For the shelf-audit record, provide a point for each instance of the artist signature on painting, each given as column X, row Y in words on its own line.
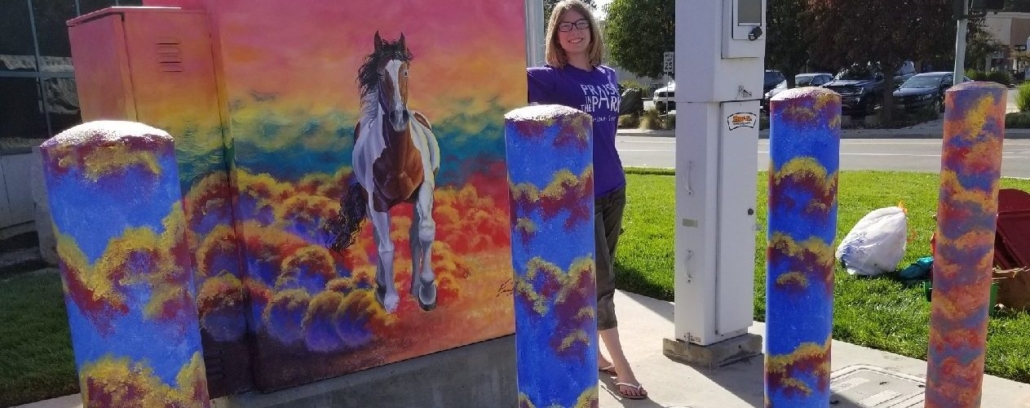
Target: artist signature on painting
column 507, row 288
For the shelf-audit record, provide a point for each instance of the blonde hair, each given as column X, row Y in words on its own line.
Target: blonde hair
column 553, row 53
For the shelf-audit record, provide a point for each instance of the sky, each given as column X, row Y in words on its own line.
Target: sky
column 600, row 15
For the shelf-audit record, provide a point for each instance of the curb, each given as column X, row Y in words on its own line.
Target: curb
column 1010, row 134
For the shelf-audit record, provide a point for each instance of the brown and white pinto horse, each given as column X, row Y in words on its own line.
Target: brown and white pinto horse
column 395, row 160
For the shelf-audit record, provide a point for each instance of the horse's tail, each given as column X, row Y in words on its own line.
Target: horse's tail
column 353, row 209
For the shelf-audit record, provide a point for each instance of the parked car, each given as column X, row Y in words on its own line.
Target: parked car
column 665, row 98
column 800, row 80
column 812, row 79
column 861, row 86
column 924, row 90
column 774, row 83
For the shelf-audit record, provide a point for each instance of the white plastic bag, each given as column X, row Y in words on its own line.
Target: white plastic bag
column 876, row 244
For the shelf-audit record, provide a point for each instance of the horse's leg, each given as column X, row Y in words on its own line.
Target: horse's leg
column 423, row 232
column 386, row 293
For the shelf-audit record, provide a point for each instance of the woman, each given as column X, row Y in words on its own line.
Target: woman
column 574, row 77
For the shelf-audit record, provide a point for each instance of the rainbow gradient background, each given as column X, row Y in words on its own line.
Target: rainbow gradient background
column 266, row 163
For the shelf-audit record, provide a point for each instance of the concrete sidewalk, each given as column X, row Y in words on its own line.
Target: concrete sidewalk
column 862, row 377
column 644, row 322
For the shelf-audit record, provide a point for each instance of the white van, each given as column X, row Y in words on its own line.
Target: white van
column 665, row 98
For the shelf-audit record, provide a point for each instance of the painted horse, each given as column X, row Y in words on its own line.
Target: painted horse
column 395, row 160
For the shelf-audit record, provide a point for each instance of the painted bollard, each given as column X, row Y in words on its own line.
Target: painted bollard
column 115, row 201
column 551, row 191
column 974, row 126
column 804, row 147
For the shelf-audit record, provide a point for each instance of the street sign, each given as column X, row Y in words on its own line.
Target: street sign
column 669, row 64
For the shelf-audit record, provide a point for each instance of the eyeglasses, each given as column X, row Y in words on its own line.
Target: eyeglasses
column 579, row 25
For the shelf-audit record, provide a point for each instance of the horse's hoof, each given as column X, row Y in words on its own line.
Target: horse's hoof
column 389, row 302
column 427, row 296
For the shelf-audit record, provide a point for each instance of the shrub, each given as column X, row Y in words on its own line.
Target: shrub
column 651, row 120
column 976, row 75
column 1000, row 77
column 1017, row 120
column 1023, row 97
column 629, row 121
column 670, row 122
column 926, row 114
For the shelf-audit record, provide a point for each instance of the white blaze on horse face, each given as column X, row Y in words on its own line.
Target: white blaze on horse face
column 398, row 113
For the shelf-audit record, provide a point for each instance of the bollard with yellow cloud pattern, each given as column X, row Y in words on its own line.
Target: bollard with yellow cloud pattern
column 804, row 148
column 126, row 266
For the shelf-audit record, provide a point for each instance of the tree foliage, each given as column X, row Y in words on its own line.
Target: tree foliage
column 549, row 5
column 787, row 45
column 980, row 44
column 881, row 32
column 638, row 33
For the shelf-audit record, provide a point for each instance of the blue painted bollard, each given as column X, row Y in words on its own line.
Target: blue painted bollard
column 551, row 191
column 804, row 148
column 115, row 201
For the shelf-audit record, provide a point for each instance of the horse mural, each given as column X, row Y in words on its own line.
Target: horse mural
column 395, row 160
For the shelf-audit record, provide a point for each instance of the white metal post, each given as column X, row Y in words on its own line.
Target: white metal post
column 534, row 33
column 960, row 46
column 720, row 46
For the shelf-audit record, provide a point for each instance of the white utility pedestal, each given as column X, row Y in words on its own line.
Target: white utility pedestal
column 720, row 53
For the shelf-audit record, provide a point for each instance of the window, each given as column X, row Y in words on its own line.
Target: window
column 37, row 80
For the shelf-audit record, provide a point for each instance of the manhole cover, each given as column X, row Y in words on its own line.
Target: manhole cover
column 875, row 387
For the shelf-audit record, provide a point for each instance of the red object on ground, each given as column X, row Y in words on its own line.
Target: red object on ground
column 1012, row 248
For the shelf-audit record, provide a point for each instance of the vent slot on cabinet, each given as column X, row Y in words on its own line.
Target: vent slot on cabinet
column 169, row 54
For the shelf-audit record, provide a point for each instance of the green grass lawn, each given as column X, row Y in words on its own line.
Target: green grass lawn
column 36, row 360
column 882, row 312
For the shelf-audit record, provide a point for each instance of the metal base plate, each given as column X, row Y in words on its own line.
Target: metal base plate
column 862, row 386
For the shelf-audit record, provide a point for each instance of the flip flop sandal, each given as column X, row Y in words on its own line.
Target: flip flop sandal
column 639, row 388
column 610, row 370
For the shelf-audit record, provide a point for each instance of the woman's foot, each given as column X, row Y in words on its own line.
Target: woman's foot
column 626, row 381
column 631, row 390
column 605, row 366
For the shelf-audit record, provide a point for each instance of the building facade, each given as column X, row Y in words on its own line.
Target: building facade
column 1012, row 29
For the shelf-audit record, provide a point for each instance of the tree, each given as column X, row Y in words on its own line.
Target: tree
column 885, row 33
column 549, row 5
column 786, row 46
column 638, row 33
column 980, row 44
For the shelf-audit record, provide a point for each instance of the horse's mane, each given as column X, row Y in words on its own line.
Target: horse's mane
column 368, row 75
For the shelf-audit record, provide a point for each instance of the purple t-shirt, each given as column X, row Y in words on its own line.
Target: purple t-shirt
column 595, row 92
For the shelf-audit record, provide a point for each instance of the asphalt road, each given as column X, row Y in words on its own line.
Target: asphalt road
column 922, row 155
column 1012, row 107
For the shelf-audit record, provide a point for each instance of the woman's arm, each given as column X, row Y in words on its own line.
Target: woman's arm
column 541, row 82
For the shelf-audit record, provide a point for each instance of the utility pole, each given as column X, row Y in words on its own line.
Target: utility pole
column 963, row 10
column 960, row 42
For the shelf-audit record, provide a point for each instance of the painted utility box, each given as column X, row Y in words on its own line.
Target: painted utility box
column 342, row 168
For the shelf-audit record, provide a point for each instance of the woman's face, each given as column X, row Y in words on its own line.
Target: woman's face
column 577, row 39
